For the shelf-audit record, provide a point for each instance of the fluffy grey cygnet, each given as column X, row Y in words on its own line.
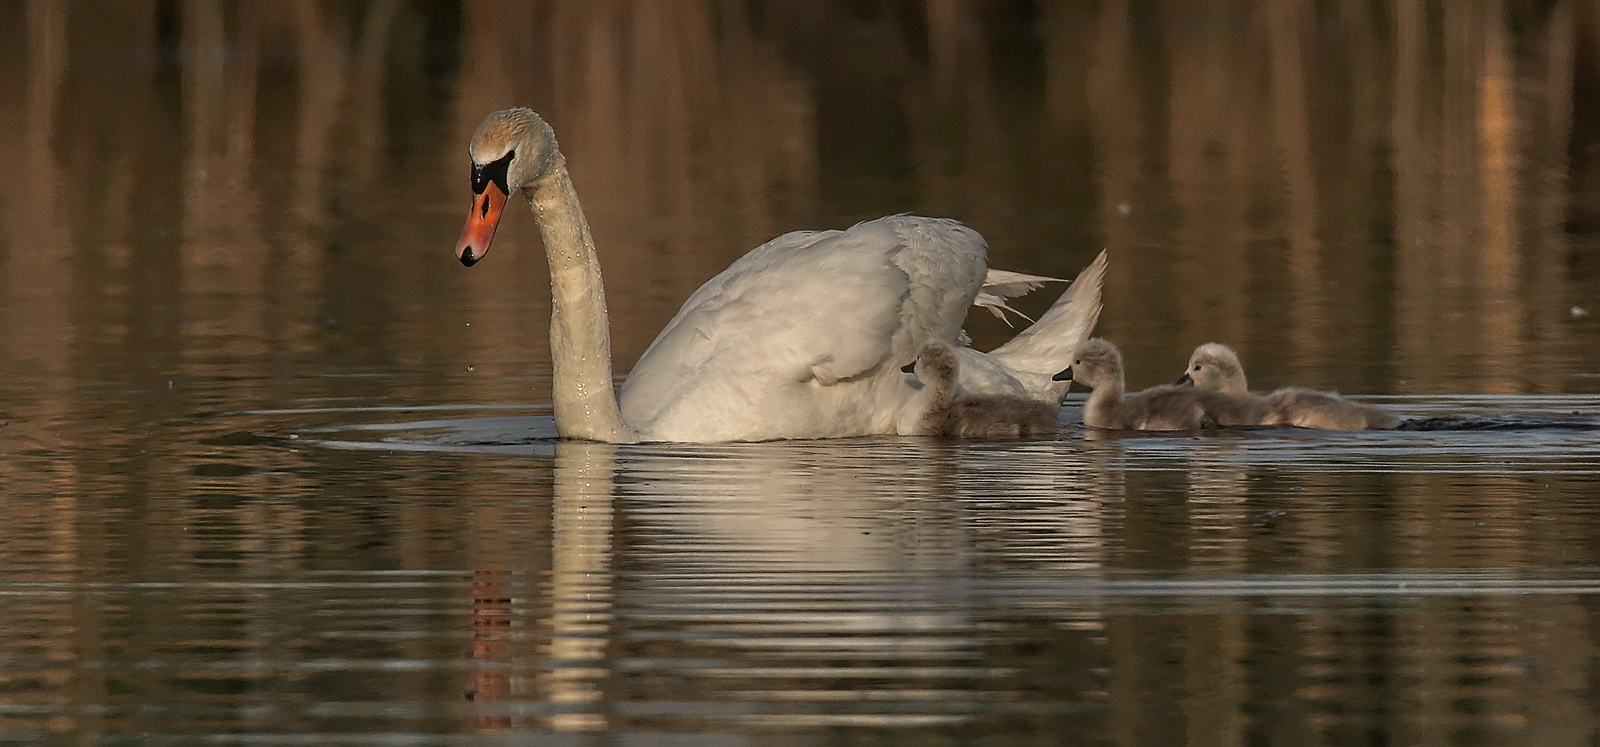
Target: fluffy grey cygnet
column 1216, row 367
column 982, row 416
column 1098, row 364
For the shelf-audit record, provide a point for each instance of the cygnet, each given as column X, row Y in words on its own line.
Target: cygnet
column 1216, row 367
column 1097, row 363
column 982, row 416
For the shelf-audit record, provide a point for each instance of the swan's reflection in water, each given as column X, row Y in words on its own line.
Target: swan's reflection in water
column 793, row 585
column 762, row 509
column 580, row 583
column 1072, row 587
column 570, row 615
column 828, row 583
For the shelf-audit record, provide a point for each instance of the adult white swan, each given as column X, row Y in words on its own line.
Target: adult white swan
column 804, row 337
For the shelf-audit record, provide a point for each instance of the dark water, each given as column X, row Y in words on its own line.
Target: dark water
column 275, row 469
column 353, row 573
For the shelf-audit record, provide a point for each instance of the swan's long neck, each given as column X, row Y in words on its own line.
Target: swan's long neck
column 580, row 333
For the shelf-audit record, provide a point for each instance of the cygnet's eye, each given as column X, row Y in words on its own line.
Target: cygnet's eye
column 1078, row 362
column 1197, row 367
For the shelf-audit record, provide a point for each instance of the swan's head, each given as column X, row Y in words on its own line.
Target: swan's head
column 512, row 149
column 1215, row 366
column 1095, row 363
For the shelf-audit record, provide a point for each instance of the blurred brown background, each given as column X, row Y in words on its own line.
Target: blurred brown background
column 1371, row 196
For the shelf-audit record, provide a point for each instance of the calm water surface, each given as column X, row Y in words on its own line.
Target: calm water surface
column 274, row 469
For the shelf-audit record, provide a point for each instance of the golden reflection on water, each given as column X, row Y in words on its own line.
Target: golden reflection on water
column 1106, row 589
column 1373, row 197
column 210, row 210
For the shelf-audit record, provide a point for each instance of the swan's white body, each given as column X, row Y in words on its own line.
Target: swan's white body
column 803, row 337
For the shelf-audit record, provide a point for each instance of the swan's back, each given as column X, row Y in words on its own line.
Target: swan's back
column 789, row 340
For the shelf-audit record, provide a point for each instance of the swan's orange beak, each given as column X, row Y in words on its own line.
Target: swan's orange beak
column 481, row 222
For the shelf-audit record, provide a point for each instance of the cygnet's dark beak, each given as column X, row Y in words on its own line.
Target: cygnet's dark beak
column 1065, row 375
column 1185, row 380
column 909, row 368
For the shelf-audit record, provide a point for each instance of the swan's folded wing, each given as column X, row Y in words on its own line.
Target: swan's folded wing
column 755, row 261
column 841, row 306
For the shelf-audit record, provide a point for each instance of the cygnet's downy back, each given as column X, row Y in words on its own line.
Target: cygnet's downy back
column 1308, row 408
column 975, row 415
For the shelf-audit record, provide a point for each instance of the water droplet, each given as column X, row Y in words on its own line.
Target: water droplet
column 470, row 369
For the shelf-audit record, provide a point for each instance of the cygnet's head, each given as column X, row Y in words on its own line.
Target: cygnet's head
column 1216, row 367
column 1095, row 363
column 937, row 368
column 510, row 150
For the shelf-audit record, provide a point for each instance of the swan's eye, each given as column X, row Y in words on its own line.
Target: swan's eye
column 1197, row 367
column 493, row 173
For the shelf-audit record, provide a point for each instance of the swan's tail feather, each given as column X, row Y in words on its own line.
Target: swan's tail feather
column 1046, row 347
column 999, row 285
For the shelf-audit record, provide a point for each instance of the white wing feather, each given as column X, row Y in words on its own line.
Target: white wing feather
column 1045, row 348
column 999, row 285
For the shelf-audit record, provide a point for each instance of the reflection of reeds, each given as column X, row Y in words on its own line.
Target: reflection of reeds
column 37, row 322
column 693, row 135
column 1241, row 113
